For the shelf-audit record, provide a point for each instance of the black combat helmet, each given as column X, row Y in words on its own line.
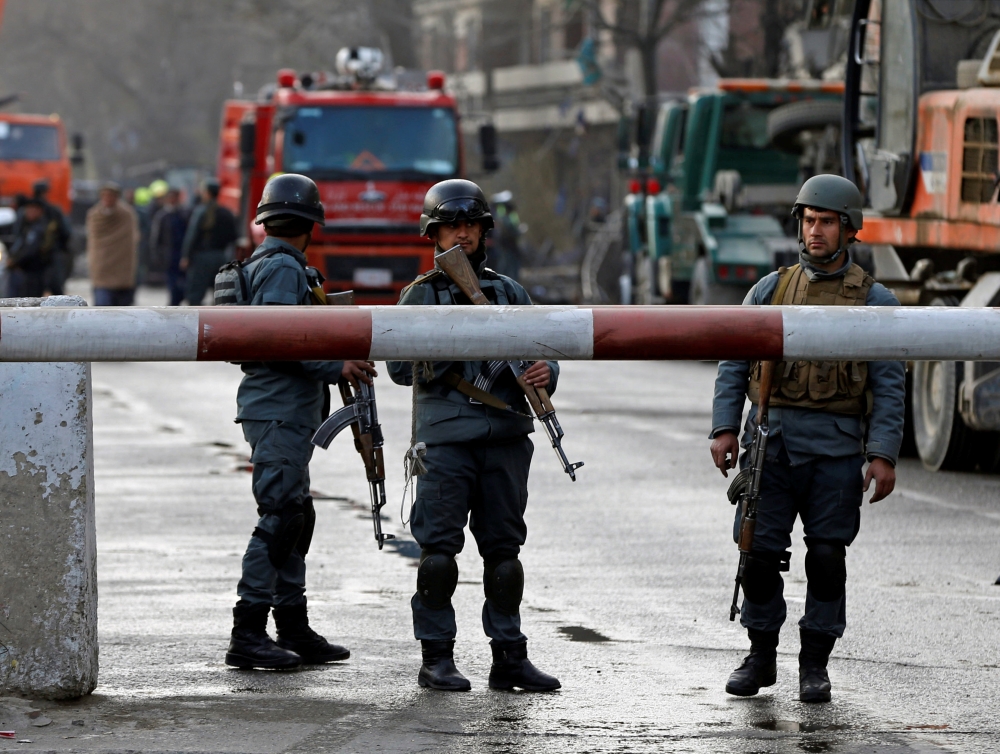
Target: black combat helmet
column 290, row 194
column 448, row 200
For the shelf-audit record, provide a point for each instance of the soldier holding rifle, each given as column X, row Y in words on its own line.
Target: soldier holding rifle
column 825, row 420
column 471, row 450
column 280, row 406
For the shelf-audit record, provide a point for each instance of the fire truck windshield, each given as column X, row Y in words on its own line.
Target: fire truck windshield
column 372, row 142
column 20, row 141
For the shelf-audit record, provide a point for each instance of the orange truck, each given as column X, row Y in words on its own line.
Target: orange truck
column 34, row 148
column 920, row 139
column 373, row 149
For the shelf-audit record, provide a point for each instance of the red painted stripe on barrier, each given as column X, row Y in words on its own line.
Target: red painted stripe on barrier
column 687, row 332
column 283, row 333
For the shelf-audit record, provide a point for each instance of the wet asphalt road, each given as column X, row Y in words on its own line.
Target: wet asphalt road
column 628, row 580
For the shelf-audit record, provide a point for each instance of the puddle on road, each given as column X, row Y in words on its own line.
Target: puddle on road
column 792, row 726
column 579, row 633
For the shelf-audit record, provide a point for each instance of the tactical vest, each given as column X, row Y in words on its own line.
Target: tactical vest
column 839, row 387
column 447, row 293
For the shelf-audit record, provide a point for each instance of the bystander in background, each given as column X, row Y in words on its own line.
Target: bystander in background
column 165, row 241
column 112, row 237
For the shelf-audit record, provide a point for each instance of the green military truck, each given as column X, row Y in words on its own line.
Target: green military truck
column 709, row 215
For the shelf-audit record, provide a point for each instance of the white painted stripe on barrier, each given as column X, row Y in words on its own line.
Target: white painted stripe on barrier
column 117, row 334
column 871, row 333
column 473, row 333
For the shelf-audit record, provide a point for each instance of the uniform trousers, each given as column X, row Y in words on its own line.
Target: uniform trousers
column 280, row 458
column 25, row 283
column 826, row 493
column 486, row 486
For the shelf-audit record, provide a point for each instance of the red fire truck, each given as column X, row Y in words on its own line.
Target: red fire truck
column 373, row 148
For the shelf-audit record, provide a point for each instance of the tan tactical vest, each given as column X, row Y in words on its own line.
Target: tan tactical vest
column 840, row 387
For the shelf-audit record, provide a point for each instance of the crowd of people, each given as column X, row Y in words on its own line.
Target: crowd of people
column 140, row 235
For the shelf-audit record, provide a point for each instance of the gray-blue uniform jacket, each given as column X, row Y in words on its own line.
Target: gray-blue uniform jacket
column 293, row 392
column 444, row 415
column 806, row 433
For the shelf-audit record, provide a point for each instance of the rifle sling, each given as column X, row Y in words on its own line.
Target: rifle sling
column 462, row 385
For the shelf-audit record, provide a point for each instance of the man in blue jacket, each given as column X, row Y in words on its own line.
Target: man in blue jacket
column 826, row 419
column 281, row 404
column 477, row 459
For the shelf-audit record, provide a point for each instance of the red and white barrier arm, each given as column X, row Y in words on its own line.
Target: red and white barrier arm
column 285, row 333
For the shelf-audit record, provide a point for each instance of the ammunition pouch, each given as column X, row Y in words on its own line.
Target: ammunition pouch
column 839, row 387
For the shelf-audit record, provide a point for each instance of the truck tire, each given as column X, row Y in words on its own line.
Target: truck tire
column 784, row 123
column 942, row 437
column 705, row 291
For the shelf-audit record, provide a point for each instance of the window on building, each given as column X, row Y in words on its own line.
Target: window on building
column 979, row 160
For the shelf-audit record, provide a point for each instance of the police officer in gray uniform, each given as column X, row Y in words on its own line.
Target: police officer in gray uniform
column 280, row 406
column 477, row 460
column 210, row 234
column 826, row 419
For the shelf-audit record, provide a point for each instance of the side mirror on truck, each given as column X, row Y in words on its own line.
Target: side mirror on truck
column 76, row 155
column 488, row 147
column 248, row 142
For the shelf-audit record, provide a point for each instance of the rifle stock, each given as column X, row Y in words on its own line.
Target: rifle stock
column 455, row 264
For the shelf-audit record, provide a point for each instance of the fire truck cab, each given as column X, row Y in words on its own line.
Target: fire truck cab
column 373, row 149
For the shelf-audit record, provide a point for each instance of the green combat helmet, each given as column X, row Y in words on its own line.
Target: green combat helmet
column 830, row 192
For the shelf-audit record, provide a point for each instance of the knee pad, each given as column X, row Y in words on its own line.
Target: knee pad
column 826, row 570
column 761, row 579
column 308, row 526
column 291, row 522
column 437, row 577
column 503, row 583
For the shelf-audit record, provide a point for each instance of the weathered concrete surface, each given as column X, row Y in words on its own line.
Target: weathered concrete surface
column 48, row 579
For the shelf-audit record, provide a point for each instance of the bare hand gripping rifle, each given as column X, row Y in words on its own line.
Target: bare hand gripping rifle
column 455, row 264
column 745, row 488
column 361, row 415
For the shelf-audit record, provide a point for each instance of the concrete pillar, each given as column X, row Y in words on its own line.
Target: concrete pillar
column 48, row 552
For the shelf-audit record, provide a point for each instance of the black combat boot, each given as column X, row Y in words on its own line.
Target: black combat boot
column 512, row 669
column 759, row 668
column 251, row 647
column 294, row 634
column 439, row 671
column 814, row 681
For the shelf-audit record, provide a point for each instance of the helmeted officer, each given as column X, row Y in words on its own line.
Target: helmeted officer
column 477, row 460
column 210, row 234
column 280, row 406
column 821, row 414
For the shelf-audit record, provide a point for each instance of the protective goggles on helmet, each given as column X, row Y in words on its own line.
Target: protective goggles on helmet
column 451, row 209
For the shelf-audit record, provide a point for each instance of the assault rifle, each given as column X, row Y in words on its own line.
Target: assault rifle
column 455, row 264
column 745, row 488
column 361, row 414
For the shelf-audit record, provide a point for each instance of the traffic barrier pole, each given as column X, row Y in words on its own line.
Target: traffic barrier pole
column 453, row 333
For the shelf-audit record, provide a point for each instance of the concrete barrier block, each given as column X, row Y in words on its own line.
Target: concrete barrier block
column 48, row 552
